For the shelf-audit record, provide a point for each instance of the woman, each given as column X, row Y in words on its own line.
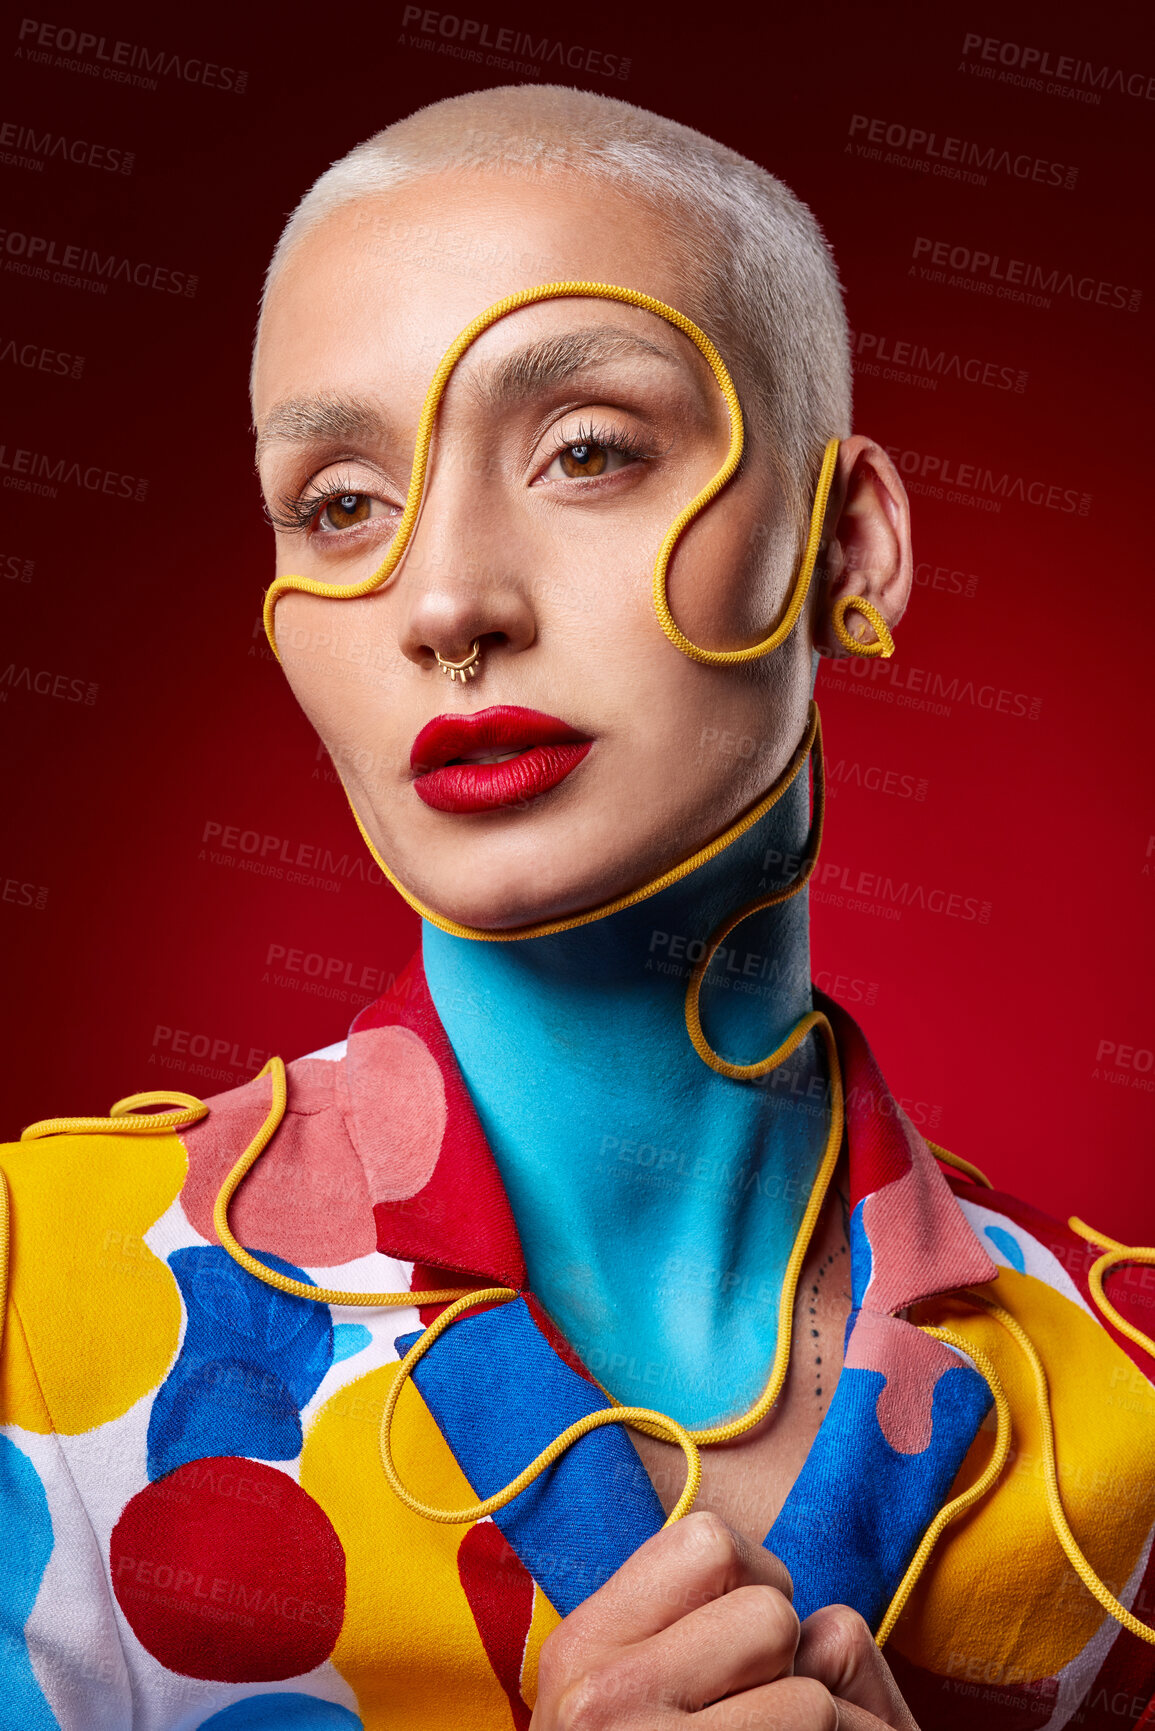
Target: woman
column 557, row 616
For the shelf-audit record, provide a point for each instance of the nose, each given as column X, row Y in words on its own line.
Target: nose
column 460, row 581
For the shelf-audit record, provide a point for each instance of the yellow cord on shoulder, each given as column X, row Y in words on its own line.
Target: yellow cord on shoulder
column 1115, row 1255
column 1057, row 1514
column 124, row 1117
column 271, row 1276
column 1055, row 1507
column 959, row 1505
column 959, row 1164
column 5, row 1242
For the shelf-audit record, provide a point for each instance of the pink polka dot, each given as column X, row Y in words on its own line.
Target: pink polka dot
column 367, row 1129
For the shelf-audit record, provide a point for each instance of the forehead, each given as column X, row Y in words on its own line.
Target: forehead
column 384, row 284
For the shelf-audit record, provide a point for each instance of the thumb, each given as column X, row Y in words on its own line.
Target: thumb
column 837, row 1649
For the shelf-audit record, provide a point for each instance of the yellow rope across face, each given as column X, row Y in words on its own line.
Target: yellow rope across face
column 427, row 421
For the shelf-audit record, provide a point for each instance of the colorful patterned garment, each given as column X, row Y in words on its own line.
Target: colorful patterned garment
column 197, row 1530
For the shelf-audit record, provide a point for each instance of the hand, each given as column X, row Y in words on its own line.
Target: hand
column 698, row 1625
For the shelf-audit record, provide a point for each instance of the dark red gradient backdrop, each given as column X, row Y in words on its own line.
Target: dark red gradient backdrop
column 984, row 900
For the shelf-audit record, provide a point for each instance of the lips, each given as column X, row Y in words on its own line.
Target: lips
column 455, row 758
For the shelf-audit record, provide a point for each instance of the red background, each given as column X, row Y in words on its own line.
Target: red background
column 1022, row 1041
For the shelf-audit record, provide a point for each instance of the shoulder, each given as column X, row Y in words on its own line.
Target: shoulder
column 1000, row 1618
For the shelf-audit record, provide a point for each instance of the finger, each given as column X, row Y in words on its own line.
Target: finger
column 793, row 1704
column 737, row 1642
column 690, row 1564
column 837, row 1649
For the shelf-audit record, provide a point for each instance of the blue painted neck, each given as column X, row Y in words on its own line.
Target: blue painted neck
column 657, row 1201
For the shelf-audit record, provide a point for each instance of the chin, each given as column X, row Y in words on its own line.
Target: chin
column 508, row 896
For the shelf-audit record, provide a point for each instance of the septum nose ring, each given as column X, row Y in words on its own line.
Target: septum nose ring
column 465, row 668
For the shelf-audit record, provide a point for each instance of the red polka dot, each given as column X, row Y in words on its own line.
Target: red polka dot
column 226, row 1569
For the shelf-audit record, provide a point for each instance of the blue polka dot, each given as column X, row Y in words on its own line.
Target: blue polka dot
column 252, row 1357
column 1009, row 1245
column 27, row 1548
column 272, row 1712
column 349, row 1338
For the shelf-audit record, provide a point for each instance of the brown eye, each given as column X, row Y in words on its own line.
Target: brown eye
column 344, row 512
column 584, row 459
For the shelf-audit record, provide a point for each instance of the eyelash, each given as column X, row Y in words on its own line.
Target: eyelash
column 297, row 514
column 613, row 439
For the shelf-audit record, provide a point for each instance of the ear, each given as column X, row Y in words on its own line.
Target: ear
column 867, row 542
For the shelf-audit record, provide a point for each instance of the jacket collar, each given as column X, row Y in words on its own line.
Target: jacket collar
column 912, row 1240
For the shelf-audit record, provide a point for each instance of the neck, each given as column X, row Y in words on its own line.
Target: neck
column 657, row 1201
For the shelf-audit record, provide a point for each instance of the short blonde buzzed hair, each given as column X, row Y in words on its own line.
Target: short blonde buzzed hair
column 756, row 260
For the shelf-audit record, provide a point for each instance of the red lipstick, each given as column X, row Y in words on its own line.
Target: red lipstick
column 503, row 756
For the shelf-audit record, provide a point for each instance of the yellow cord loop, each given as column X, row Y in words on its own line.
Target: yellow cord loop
column 125, row 1119
column 656, row 1423
column 1115, row 1255
column 801, row 586
column 883, row 642
column 499, row 310
column 425, row 428
column 811, row 743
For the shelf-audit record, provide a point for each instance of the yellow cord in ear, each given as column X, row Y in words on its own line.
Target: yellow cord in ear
column 883, row 642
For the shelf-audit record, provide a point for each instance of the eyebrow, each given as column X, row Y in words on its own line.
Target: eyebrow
column 544, row 364
column 310, row 420
column 496, row 385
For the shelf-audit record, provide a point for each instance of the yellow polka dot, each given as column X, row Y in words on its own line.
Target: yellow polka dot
column 998, row 1587
column 101, row 1313
column 409, row 1647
